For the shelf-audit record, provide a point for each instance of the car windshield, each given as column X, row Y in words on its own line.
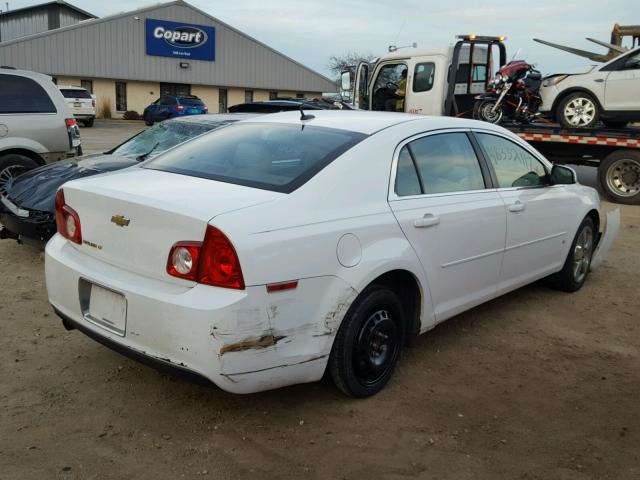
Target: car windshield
column 191, row 101
column 75, row 93
column 163, row 136
column 270, row 156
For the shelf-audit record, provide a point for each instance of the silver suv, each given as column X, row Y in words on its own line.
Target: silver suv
column 36, row 125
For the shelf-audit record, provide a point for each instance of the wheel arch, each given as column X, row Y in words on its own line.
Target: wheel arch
column 27, row 153
column 565, row 93
column 411, row 292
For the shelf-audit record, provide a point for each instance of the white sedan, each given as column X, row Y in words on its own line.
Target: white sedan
column 265, row 253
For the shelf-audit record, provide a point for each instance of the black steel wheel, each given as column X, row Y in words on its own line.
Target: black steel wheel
column 368, row 344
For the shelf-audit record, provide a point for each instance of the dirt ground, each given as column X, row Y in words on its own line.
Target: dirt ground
column 537, row 384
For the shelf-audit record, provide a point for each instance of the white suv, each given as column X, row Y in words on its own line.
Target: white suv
column 36, row 125
column 81, row 103
column 609, row 93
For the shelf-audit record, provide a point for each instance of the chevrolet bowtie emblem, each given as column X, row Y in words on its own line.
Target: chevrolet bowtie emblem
column 120, row 221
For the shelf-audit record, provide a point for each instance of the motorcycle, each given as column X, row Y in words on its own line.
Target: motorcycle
column 514, row 94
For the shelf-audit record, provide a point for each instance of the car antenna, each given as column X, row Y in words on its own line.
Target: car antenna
column 304, row 116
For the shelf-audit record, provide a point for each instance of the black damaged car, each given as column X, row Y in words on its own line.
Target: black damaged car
column 27, row 202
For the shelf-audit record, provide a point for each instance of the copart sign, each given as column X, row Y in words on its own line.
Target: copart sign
column 183, row 40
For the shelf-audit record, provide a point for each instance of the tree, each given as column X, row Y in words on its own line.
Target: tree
column 339, row 63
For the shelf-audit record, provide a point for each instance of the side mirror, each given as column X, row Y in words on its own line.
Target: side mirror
column 561, row 175
column 345, row 80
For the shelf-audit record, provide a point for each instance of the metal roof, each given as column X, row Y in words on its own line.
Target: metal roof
column 40, row 6
column 114, row 47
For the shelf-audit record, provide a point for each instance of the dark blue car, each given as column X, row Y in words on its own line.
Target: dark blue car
column 171, row 106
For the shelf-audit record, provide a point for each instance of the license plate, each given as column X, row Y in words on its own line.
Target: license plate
column 77, row 104
column 193, row 110
column 107, row 309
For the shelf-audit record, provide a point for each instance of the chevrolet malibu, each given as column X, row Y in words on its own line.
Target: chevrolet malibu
column 268, row 252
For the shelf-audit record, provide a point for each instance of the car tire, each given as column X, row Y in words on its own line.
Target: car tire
column 88, row 123
column 614, row 124
column 578, row 110
column 619, row 176
column 14, row 164
column 148, row 119
column 368, row 344
column 576, row 267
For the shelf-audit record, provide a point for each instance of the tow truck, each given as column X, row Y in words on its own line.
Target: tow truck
column 446, row 81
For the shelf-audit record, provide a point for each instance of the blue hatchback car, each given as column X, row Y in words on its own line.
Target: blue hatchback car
column 170, row 106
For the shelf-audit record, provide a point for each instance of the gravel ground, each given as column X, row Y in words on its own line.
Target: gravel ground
column 537, row 384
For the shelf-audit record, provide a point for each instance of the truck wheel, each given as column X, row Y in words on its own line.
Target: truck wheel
column 88, row 123
column 367, row 346
column 483, row 110
column 578, row 110
column 576, row 267
column 619, row 175
column 612, row 124
column 13, row 165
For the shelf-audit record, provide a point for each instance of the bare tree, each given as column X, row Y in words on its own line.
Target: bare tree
column 339, row 63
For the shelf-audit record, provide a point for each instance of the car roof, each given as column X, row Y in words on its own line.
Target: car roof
column 6, row 69
column 371, row 122
column 213, row 118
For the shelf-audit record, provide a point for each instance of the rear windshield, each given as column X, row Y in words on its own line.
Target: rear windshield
column 191, row 101
column 79, row 93
column 273, row 157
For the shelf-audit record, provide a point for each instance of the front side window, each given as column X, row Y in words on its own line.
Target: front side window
column 633, row 62
column 445, row 163
column 423, row 77
column 513, row 165
column 23, row 95
column 273, row 157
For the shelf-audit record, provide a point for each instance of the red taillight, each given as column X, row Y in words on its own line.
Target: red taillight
column 183, row 260
column 212, row 262
column 67, row 220
column 70, row 122
column 205, row 110
column 179, row 108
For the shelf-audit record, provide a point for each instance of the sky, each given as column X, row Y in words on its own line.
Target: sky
column 312, row 31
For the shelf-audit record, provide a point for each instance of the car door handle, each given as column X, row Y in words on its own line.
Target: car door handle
column 428, row 220
column 599, row 80
column 517, row 207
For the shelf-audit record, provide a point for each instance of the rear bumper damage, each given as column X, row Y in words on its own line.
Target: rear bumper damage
column 243, row 341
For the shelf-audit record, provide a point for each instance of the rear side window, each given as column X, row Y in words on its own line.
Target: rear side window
column 423, row 77
column 273, row 157
column 445, row 163
column 23, row 95
column 79, row 93
column 514, row 166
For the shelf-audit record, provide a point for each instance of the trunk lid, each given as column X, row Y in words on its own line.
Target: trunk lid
column 131, row 219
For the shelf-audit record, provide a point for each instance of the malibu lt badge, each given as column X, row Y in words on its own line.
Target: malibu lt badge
column 120, row 221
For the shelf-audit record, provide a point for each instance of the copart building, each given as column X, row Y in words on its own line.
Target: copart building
column 130, row 59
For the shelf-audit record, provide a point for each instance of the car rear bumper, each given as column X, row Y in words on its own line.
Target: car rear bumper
column 18, row 228
column 84, row 116
column 243, row 341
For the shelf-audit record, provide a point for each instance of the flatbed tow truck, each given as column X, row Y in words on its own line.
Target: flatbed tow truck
column 434, row 89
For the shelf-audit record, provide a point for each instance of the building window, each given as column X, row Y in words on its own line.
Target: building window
column 175, row 89
column 222, row 100
column 87, row 85
column 299, row 95
column 248, row 96
column 121, row 96
column 273, row 95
